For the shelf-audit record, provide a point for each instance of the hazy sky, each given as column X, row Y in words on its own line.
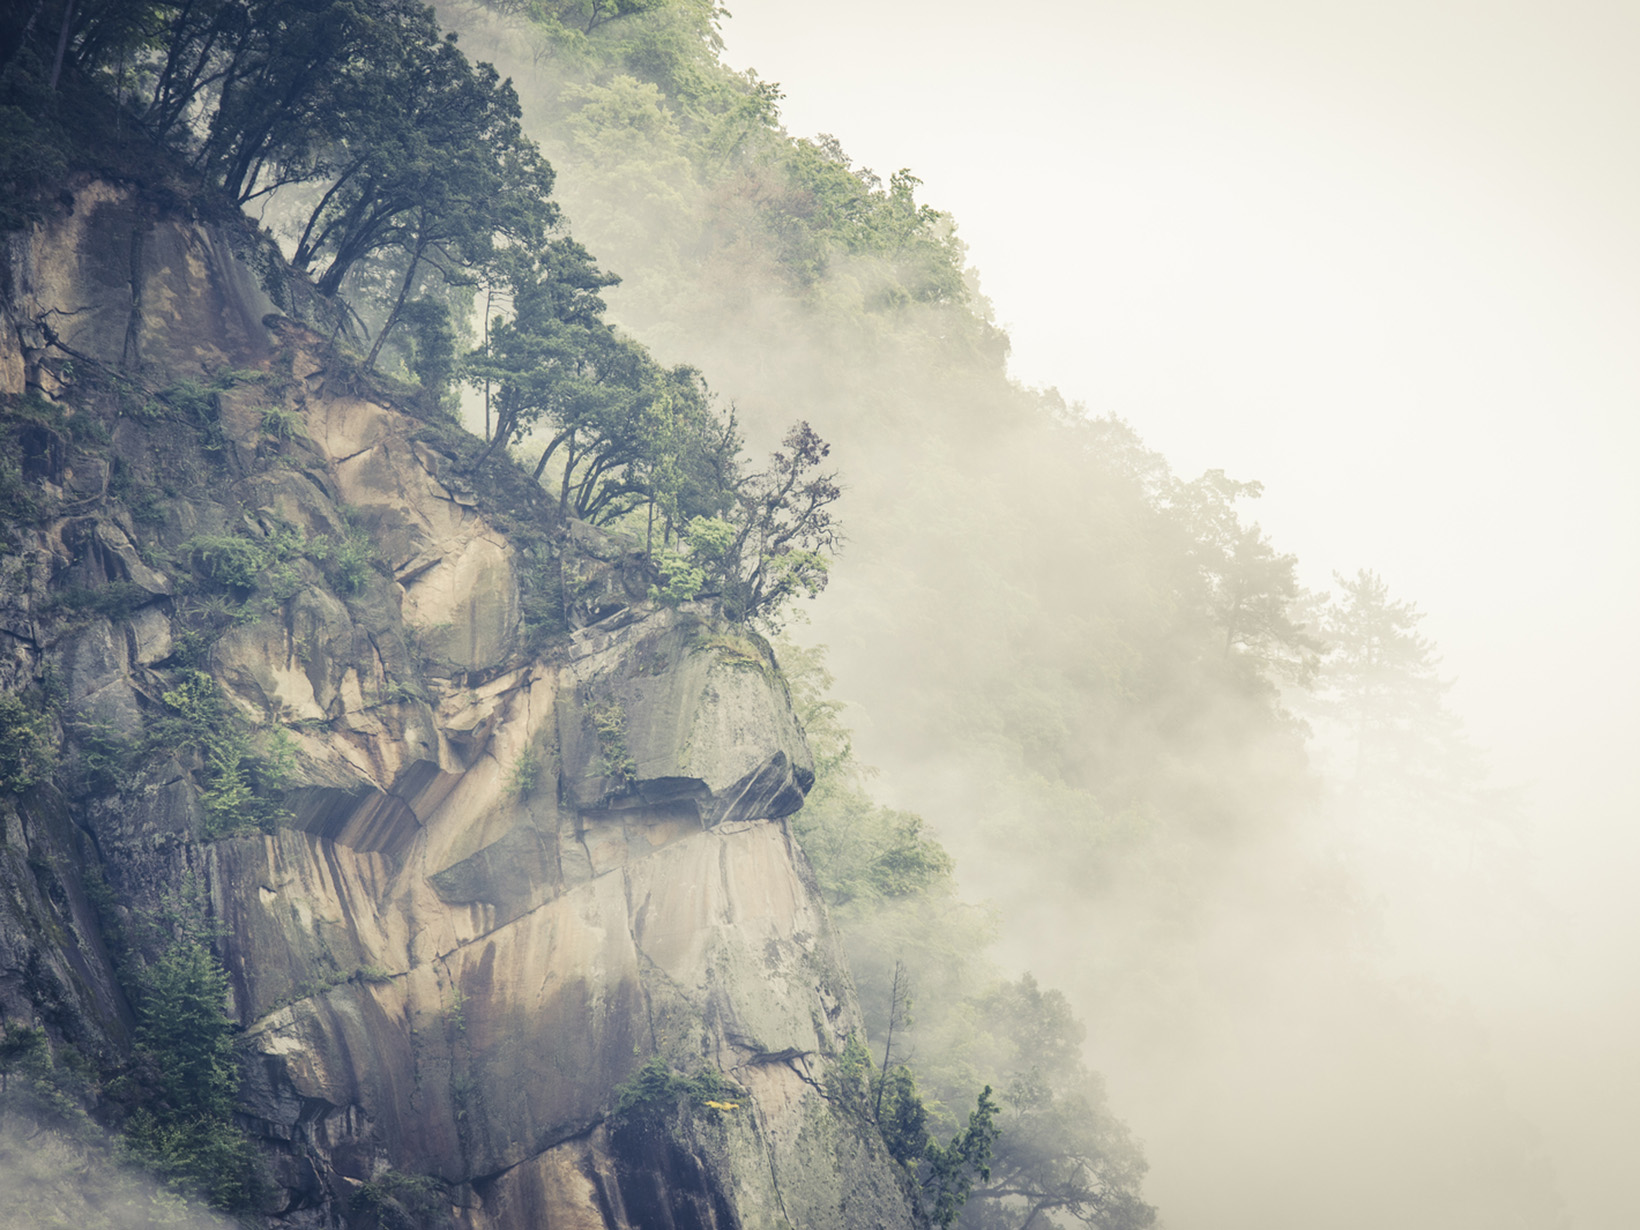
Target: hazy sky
column 1383, row 257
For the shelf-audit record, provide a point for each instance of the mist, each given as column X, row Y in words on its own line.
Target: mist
column 1383, row 261
column 1360, row 262
column 64, row 1171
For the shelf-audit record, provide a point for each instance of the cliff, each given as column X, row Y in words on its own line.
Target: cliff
column 477, row 832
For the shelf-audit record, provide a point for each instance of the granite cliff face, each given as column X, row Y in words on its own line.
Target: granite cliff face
column 530, row 834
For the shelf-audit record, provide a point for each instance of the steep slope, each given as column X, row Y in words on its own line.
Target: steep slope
column 522, row 832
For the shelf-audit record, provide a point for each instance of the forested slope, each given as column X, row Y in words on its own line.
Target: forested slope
column 1096, row 680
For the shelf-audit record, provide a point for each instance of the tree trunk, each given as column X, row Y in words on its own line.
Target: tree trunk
column 62, row 44
column 393, row 316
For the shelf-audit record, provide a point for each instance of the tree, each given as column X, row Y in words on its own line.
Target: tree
column 899, row 1014
column 538, row 360
column 185, row 1041
column 949, row 1172
column 432, row 346
column 1059, row 1151
column 1252, row 593
column 434, row 173
column 261, row 91
column 1382, row 683
column 625, row 431
column 184, row 1027
column 781, row 531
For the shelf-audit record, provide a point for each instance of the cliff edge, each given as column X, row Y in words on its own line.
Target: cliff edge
column 491, row 848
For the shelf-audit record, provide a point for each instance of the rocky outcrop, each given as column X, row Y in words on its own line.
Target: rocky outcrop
column 533, row 833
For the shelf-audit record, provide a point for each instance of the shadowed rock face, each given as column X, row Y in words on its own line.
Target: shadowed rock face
column 525, row 852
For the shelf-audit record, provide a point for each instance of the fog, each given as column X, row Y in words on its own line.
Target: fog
column 1383, row 259
column 62, row 1172
column 1383, row 262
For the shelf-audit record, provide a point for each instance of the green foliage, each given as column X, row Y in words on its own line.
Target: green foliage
column 183, row 1025
column 680, row 579
column 202, row 1154
column 399, row 158
column 770, row 542
column 281, row 423
column 692, row 156
column 20, row 503
column 783, row 531
column 193, row 400
column 655, row 1090
column 348, row 559
column 1060, row 1150
column 107, row 756
column 28, row 748
column 239, row 782
column 1252, row 593
column 1382, row 681
column 432, row 344
column 615, row 760
column 526, row 773
column 849, row 1080
column 243, row 565
column 1053, row 1142
column 440, row 178
column 63, row 1171
column 399, row 1200
column 861, row 852
column 43, row 1084
column 232, row 561
column 903, row 1119
column 950, row 1171
column 185, row 1036
column 622, row 431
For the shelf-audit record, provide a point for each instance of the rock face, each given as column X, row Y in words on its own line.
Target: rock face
column 533, row 834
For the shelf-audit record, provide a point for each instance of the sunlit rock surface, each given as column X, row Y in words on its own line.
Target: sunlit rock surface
column 534, row 835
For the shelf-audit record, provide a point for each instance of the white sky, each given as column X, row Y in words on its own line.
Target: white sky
column 1384, row 258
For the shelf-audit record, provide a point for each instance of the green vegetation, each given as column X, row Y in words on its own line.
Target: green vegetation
column 61, row 1169
column 623, row 434
column 953, row 1169
column 242, row 565
column 232, row 561
column 397, row 1200
column 417, row 211
column 411, row 157
column 526, row 773
column 347, row 558
column 281, row 423
column 655, row 1090
column 614, row 759
column 240, row 781
column 113, row 600
column 183, row 1129
column 42, row 1084
column 943, row 1177
column 28, row 747
column 1046, row 1142
column 1382, row 686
